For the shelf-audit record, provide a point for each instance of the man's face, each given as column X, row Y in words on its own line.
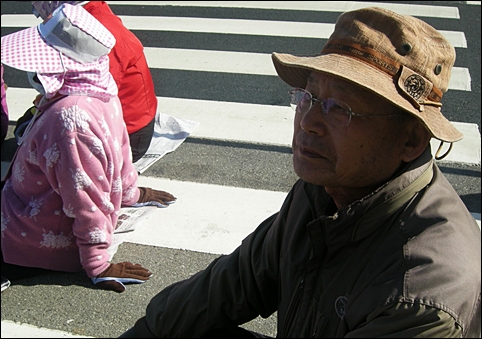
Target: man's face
column 354, row 158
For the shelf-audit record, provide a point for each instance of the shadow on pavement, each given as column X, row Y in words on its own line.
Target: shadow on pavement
column 59, row 279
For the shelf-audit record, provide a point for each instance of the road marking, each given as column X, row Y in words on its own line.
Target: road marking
column 205, row 218
column 251, row 123
column 251, row 27
column 224, row 26
column 11, row 329
column 321, row 6
column 246, row 63
column 467, row 150
column 477, row 218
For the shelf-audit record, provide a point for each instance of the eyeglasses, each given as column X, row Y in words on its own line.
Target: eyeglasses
column 335, row 111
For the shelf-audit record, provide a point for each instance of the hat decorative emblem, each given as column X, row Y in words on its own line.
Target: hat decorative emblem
column 415, row 86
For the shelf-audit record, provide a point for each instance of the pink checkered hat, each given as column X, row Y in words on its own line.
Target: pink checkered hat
column 68, row 53
column 44, row 9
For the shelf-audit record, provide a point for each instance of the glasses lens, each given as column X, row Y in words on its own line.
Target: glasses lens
column 300, row 99
column 293, row 98
column 337, row 112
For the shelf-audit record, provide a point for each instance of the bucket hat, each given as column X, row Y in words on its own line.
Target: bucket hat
column 68, row 52
column 398, row 57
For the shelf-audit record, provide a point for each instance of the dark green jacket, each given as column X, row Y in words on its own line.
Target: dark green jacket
column 401, row 262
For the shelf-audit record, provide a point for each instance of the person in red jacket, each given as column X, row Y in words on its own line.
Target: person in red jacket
column 128, row 66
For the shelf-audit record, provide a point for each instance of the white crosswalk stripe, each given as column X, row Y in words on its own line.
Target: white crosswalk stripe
column 273, row 124
column 447, row 12
column 225, row 26
column 192, row 223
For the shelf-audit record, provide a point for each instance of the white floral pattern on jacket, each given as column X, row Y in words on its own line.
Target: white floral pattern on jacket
column 69, row 179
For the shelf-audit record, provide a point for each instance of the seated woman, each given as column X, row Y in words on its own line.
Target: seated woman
column 73, row 169
column 4, row 109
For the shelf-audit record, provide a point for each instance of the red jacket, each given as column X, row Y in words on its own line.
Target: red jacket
column 129, row 68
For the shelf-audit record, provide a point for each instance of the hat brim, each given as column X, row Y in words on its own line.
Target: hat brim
column 26, row 50
column 295, row 70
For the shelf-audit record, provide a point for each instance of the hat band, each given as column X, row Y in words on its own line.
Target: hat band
column 382, row 62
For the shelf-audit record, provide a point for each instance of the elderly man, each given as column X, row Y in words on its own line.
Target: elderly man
column 372, row 241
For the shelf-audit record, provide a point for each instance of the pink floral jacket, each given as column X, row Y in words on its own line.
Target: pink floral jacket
column 67, row 183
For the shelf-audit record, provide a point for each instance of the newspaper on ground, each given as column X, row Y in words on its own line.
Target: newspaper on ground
column 169, row 133
column 129, row 219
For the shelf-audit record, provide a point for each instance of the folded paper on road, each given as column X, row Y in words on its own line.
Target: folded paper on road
column 129, row 219
column 169, row 133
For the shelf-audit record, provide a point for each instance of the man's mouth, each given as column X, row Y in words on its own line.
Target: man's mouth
column 309, row 153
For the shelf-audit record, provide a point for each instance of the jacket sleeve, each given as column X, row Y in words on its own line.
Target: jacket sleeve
column 232, row 290
column 407, row 320
column 86, row 198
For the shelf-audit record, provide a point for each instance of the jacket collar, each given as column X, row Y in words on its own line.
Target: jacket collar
column 364, row 216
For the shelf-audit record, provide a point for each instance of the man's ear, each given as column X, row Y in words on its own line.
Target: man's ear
column 417, row 141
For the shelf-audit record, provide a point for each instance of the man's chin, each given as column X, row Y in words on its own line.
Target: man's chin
column 312, row 174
